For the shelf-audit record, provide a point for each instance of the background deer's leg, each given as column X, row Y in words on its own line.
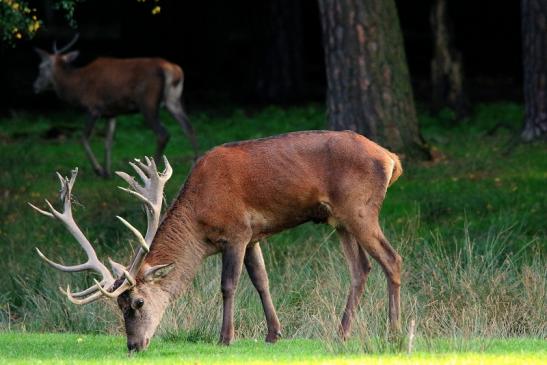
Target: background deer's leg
column 88, row 131
column 359, row 267
column 254, row 262
column 367, row 231
column 162, row 135
column 232, row 264
column 110, row 129
column 177, row 111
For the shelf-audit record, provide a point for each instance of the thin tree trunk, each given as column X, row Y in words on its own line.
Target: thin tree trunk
column 447, row 78
column 369, row 87
column 534, row 51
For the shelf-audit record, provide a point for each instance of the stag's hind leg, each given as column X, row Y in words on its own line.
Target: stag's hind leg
column 365, row 227
column 254, row 262
column 359, row 268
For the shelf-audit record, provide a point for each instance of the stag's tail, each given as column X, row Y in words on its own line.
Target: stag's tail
column 397, row 168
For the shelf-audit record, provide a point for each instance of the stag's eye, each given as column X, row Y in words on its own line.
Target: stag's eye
column 138, row 303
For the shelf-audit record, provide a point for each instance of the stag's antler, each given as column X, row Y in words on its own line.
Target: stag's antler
column 66, row 47
column 150, row 192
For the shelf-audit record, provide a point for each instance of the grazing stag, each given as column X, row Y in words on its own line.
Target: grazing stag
column 236, row 195
column 108, row 87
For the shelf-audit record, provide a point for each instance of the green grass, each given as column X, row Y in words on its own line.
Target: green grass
column 95, row 349
column 470, row 227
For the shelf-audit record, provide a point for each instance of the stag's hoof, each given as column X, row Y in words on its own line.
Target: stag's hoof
column 343, row 332
column 273, row 336
column 225, row 340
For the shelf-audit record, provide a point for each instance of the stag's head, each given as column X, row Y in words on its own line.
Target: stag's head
column 138, row 286
column 49, row 61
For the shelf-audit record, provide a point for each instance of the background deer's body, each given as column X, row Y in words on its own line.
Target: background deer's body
column 236, row 195
column 108, row 87
column 242, row 192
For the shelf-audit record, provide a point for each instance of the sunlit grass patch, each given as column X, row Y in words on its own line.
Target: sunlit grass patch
column 27, row 348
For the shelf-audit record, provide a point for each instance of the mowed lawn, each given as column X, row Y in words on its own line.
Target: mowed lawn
column 27, row 348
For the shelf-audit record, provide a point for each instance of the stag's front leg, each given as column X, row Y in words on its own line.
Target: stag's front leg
column 88, row 130
column 232, row 264
column 254, row 262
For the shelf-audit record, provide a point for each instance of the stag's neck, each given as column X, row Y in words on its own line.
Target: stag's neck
column 67, row 83
column 176, row 242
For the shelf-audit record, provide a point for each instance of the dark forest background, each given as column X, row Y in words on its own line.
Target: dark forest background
column 231, row 51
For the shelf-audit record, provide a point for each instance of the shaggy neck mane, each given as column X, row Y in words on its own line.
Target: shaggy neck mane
column 176, row 242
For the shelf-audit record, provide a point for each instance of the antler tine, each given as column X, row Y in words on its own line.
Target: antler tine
column 128, row 179
column 67, row 47
column 136, row 232
column 41, row 211
column 168, row 170
column 87, row 291
column 73, row 268
column 138, row 170
column 91, row 298
column 122, row 288
column 138, row 195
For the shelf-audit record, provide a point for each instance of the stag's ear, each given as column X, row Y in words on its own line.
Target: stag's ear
column 70, row 56
column 43, row 54
column 158, row 271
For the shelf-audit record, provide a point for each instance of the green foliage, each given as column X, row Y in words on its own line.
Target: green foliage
column 20, row 20
column 470, row 227
column 19, row 348
column 17, row 20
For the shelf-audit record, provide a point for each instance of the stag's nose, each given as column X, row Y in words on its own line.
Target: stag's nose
column 136, row 346
column 132, row 347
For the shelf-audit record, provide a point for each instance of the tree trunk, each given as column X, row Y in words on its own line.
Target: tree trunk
column 534, row 51
column 447, row 81
column 280, row 78
column 369, row 87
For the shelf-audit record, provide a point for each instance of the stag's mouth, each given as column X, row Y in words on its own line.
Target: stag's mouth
column 137, row 346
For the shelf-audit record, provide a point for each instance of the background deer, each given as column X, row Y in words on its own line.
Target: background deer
column 236, row 195
column 108, row 87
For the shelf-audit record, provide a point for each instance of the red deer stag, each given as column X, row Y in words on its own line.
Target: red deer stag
column 108, row 87
column 236, row 195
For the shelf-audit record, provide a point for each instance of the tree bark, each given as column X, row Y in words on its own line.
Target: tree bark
column 368, row 82
column 534, row 52
column 447, row 80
